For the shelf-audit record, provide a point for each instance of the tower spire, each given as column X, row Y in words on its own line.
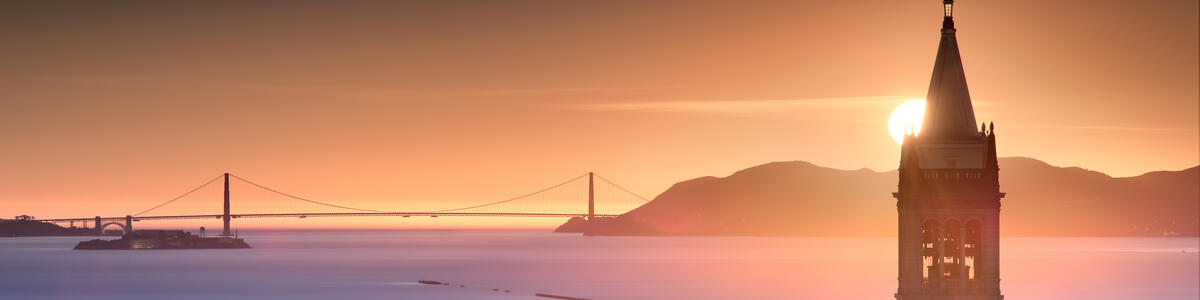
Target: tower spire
column 948, row 111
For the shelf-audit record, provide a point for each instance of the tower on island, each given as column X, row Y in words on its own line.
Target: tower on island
column 949, row 191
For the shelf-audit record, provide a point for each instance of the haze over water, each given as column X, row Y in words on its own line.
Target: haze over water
column 387, row 264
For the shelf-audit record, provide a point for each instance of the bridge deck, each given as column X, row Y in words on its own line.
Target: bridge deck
column 358, row 214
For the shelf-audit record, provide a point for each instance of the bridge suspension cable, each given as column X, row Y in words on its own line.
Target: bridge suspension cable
column 557, row 191
column 141, row 214
column 623, row 188
column 307, row 200
column 510, row 199
column 428, row 211
column 179, row 197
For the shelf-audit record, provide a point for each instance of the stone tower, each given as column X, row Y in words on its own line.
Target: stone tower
column 949, row 191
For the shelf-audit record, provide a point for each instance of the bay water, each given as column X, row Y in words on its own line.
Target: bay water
column 517, row 264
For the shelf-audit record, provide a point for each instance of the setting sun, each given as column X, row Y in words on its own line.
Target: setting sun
column 904, row 116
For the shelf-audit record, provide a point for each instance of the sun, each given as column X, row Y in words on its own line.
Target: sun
column 907, row 115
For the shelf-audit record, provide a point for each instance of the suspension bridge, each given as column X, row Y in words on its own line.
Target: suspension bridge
column 563, row 200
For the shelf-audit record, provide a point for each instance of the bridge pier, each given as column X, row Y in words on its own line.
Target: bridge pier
column 99, row 229
column 128, row 224
column 225, row 217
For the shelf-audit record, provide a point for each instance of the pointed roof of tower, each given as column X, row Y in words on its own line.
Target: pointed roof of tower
column 948, row 111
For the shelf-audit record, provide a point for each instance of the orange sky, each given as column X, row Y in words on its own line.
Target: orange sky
column 110, row 108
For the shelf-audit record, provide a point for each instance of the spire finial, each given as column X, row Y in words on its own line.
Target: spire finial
column 992, row 127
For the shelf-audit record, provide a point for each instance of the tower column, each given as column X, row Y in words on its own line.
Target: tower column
column 225, row 216
column 990, row 250
column 962, row 256
column 911, row 252
column 941, row 259
column 99, row 229
column 591, row 196
column 128, row 224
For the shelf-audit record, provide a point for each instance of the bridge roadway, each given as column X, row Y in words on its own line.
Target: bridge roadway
column 350, row 214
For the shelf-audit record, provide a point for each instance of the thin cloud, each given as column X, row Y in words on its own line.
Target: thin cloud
column 370, row 91
column 554, row 90
column 1110, row 128
column 732, row 106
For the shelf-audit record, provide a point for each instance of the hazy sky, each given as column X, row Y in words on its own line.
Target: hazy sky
column 108, row 108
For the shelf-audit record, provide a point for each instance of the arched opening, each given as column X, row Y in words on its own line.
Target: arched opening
column 952, row 253
column 972, row 245
column 930, row 235
column 118, row 224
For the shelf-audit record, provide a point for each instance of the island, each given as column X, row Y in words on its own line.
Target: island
column 162, row 239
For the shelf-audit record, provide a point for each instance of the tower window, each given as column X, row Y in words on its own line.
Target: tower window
column 952, row 253
column 930, row 235
column 971, row 243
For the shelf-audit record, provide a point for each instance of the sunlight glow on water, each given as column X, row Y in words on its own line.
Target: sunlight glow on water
column 387, row 265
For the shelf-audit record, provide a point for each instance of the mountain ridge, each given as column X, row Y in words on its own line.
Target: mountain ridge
column 799, row 198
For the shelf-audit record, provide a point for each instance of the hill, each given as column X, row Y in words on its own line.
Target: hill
column 802, row 199
column 12, row 228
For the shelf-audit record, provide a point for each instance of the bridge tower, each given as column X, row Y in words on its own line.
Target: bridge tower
column 948, row 197
column 99, row 228
column 225, row 216
column 128, row 224
column 591, row 197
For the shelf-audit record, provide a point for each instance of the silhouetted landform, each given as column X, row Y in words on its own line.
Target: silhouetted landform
column 162, row 239
column 580, row 224
column 802, row 199
column 574, row 225
column 13, row 228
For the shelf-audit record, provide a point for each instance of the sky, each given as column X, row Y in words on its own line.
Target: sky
column 107, row 108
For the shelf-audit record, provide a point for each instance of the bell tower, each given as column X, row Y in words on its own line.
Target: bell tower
column 948, row 196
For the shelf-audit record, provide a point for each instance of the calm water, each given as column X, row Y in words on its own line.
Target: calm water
column 386, row 265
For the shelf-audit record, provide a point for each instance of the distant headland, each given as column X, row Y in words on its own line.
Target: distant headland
column 802, row 199
column 18, row 227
